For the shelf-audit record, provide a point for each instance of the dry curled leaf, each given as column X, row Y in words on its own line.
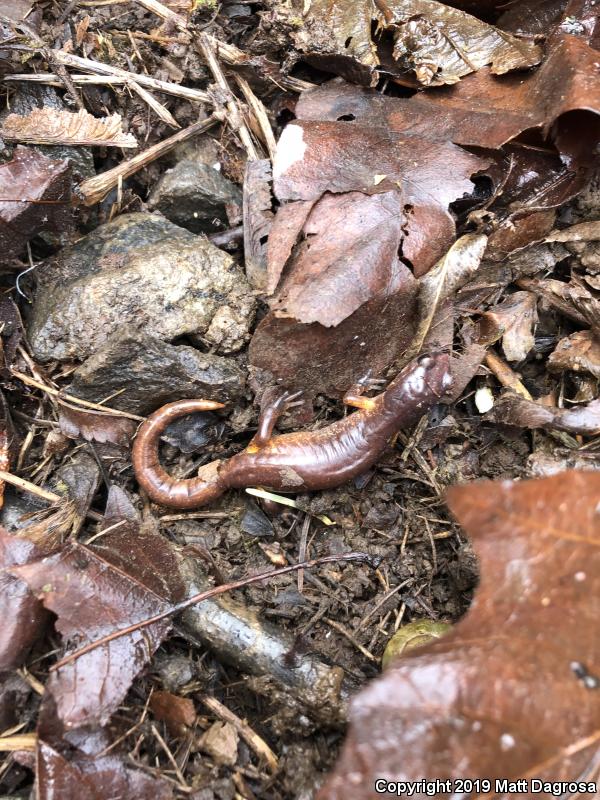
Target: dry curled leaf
column 454, row 270
column 58, row 126
column 504, row 695
column 35, row 194
column 439, row 43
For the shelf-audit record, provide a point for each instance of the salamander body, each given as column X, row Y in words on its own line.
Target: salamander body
column 294, row 462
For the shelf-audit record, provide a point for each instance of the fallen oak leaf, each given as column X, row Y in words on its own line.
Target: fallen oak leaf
column 472, row 704
column 58, row 126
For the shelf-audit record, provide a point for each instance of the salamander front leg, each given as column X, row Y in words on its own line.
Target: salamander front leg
column 355, row 395
column 269, row 416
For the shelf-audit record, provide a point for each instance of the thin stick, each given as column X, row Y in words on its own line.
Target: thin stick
column 22, row 741
column 228, row 52
column 44, row 494
column 99, row 68
column 206, row 595
column 170, row 756
column 346, row 633
column 254, row 741
column 157, row 107
column 234, row 117
column 505, row 374
column 70, row 398
column 31, row 488
column 95, row 189
column 260, row 115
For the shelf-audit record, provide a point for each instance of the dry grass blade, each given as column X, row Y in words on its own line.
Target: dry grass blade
column 58, row 126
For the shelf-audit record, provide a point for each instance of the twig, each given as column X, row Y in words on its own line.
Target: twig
column 157, row 107
column 254, row 741
column 260, row 116
column 346, row 633
column 302, row 550
column 70, row 398
column 50, row 79
column 230, row 54
column 198, row 598
column 170, row 756
column 505, row 374
column 22, row 741
column 234, row 117
column 93, row 190
column 99, row 68
column 31, row 488
column 44, row 494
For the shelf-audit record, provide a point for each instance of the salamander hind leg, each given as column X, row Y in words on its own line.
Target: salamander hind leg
column 269, row 416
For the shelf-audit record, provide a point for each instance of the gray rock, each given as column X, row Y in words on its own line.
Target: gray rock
column 139, row 270
column 194, row 195
column 153, row 372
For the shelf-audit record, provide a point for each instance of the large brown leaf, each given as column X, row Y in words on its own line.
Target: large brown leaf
column 509, row 692
column 363, row 194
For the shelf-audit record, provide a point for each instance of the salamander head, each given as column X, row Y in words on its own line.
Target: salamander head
column 422, row 382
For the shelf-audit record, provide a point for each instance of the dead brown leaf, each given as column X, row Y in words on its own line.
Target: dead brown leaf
column 79, row 775
column 579, row 352
column 23, row 616
column 514, row 322
column 355, row 196
column 572, row 299
column 128, row 575
column 512, row 409
column 178, row 713
column 439, row 43
column 58, row 126
column 35, row 193
column 95, row 426
column 472, row 704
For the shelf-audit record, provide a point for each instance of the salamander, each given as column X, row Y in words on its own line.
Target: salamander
column 294, row 462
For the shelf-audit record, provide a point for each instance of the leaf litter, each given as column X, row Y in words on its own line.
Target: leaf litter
column 442, row 194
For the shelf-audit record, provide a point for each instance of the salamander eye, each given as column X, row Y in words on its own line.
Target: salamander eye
column 425, row 361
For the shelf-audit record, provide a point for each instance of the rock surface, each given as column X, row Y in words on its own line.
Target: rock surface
column 153, row 372
column 139, row 270
column 196, row 196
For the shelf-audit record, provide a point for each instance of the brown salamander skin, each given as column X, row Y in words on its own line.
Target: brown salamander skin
column 294, row 462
